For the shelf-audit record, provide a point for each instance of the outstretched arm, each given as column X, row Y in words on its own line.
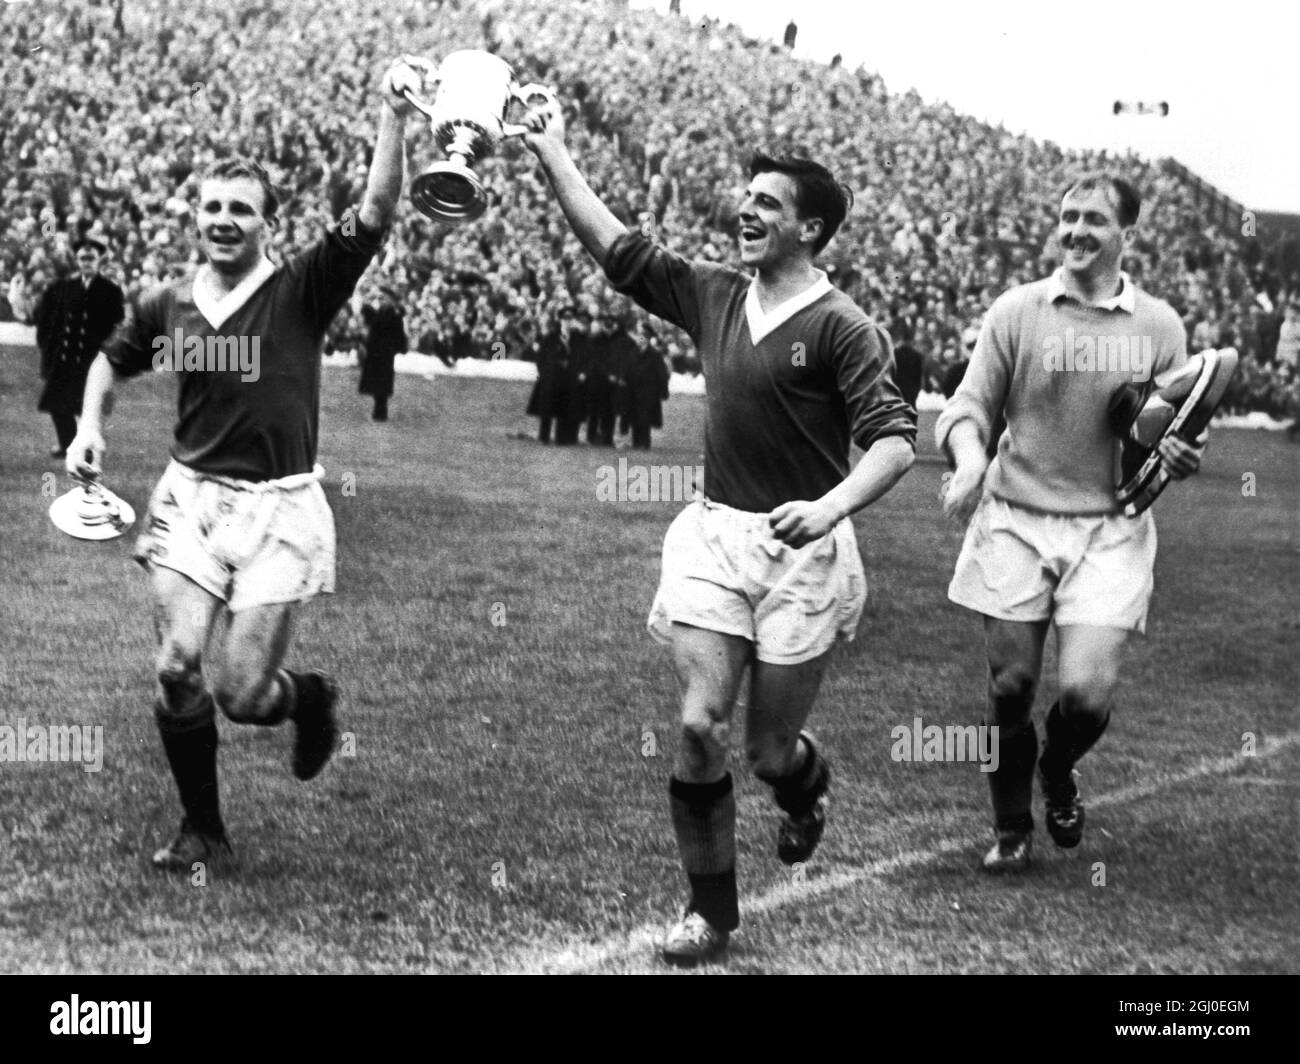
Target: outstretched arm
column 388, row 165
column 592, row 222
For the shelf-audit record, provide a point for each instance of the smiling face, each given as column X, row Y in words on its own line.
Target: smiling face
column 232, row 230
column 771, row 231
column 1090, row 233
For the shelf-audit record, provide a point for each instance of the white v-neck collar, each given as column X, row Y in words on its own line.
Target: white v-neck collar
column 762, row 325
column 217, row 309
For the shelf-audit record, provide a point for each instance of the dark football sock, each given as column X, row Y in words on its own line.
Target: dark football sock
column 1068, row 739
column 1012, row 784
column 191, row 748
column 716, row 899
column 704, row 819
column 798, row 792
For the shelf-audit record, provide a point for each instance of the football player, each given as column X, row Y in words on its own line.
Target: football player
column 1046, row 541
column 239, row 525
column 761, row 576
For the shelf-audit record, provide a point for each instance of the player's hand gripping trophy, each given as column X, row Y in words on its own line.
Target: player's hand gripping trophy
column 474, row 91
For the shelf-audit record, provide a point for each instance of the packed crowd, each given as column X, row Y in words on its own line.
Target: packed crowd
column 108, row 110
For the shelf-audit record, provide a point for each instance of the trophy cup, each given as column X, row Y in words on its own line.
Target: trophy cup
column 91, row 511
column 468, row 118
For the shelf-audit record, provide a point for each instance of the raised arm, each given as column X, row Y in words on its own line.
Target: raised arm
column 388, row 165
column 592, row 222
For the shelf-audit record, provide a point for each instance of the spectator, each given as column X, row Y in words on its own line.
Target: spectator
column 1288, row 337
column 646, row 388
column 1205, row 336
column 385, row 338
column 909, row 370
column 73, row 320
column 603, row 365
column 661, row 112
column 953, row 374
column 557, row 397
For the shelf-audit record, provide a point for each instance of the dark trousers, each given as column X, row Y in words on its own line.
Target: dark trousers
column 600, row 417
column 380, row 413
column 600, row 429
column 566, row 430
column 641, row 436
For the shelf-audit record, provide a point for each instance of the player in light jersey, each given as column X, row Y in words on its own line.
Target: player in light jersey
column 1047, row 541
column 762, row 576
column 238, row 524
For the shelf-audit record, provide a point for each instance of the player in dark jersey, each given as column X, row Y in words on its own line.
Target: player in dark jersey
column 762, row 576
column 238, row 524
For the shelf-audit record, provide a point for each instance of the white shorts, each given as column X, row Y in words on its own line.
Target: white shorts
column 1023, row 565
column 724, row 571
column 249, row 543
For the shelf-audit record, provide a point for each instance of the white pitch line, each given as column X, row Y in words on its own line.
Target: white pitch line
column 581, row 958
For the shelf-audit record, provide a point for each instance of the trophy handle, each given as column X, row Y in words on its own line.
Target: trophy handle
column 429, row 69
column 525, row 95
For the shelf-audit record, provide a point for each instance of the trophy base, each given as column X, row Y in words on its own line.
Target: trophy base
column 450, row 192
column 91, row 512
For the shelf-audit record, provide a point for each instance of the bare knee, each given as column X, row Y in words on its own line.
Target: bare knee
column 771, row 756
column 243, row 699
column 1011, row 693
column 181, row 693
column 1089, row 701
column 704, row 742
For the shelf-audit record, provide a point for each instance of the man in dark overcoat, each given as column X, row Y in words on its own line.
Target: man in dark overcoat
column 385, row 339
column 74, row 318
column 645, row 377
column 557, row 396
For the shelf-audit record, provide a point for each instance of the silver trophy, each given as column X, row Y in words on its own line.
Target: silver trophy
column 91, row 511
column 468, row 118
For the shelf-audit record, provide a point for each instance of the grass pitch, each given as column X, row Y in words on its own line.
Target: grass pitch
column 512, row 729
